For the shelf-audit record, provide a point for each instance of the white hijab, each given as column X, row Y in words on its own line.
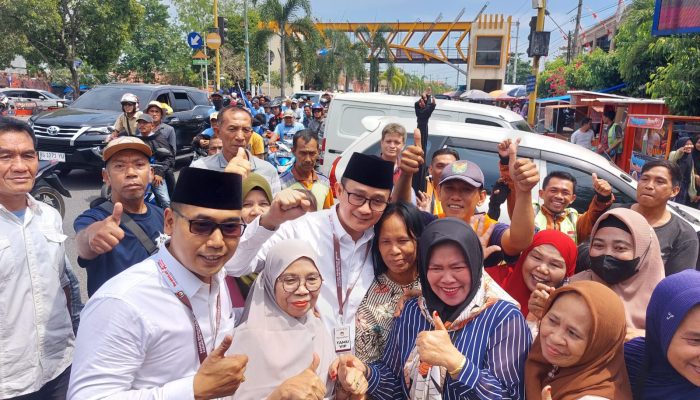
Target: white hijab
column 278, row 345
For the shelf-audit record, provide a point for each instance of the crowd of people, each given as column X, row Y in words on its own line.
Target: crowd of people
column 251, row 285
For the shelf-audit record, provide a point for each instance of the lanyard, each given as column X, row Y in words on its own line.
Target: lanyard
column 174, row 287
column 339, row 274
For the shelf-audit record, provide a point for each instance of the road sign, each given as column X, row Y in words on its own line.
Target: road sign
column 197, row 61
column 200, row 55
column 213, row 40
column 195, row 41
column 530, row 84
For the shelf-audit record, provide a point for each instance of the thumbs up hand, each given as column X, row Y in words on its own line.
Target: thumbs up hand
column 522, row 170
column 105, row 235
column 239, row 164
column 220, row 375
column 601, row 186
column 435, row 347
column 412, row 156
column 350, row 373
column 547, row 393
column 304, row 386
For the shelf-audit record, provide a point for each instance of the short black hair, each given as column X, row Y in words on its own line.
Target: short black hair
column 610, row 114
column 413, row 219
column 232, row 109
column 306, row 134
column 8, row 125
column 445, row 151
column 585, row 120
column 560, row 175
column 672, row 168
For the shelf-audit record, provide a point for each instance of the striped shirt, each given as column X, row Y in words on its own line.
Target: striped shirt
column 495, row 343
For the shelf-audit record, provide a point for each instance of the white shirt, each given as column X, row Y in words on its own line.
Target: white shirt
column 218, row 162
column 316, row 228
column 36, row 334
column 136, row 338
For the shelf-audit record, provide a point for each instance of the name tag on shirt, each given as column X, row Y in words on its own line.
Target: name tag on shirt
column 341, row 337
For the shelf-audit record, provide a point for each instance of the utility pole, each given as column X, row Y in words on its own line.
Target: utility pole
column 515, row 63
column 542, row 6
column 574, row 44
column 247, row 46
column 568, row 48
column 217, row 84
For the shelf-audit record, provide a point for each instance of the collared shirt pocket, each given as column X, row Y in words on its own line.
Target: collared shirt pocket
column 52, row 251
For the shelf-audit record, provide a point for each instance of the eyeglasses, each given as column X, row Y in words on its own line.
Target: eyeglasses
column 206, row 227
column 291, row 283
column 359, row 200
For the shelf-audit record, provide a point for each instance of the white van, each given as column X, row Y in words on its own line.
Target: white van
column 344, row 120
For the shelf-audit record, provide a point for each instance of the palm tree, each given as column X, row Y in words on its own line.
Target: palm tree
column 378, row 45
column 290, row 17
column 344, row 57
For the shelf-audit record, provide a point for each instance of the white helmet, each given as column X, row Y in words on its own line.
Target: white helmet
column 129, row 98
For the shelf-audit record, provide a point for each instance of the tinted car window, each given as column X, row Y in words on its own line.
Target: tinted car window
column 434, row 142
column 182, row 102
column 107, row 98
column 49, row 95
column 521, row 125
column 199, row 98
column 584, row 187
column 486, row 160
column 351, row 121
column 481, row 122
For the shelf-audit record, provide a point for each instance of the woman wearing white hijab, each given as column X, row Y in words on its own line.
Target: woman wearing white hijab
column 289, row 349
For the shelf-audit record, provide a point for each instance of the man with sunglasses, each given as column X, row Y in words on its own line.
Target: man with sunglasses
column 235, row 130
column 341, row 235
column 136, row 335
column 106, row 242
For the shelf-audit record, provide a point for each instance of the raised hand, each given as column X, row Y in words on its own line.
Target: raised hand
column 423, row 201
column 220, row 375
column 286, row 206
column 105, row 235
column 503, row 147
column 350, row 374
column 239, row 164
column 523, row 171
column 601, row 186
column 304, row 386
column 538, row 299
column 412, row 156
column 477, row 222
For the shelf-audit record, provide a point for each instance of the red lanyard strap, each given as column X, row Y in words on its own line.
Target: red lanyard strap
column 339, row 272
column 180, row 294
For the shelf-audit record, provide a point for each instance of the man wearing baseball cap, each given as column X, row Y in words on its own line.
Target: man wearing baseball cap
column 289, row 126
column 119, row 232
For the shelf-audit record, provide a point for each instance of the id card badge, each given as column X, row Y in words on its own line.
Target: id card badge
column 341, row 336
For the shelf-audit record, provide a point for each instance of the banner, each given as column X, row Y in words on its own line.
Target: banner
column 676, row 16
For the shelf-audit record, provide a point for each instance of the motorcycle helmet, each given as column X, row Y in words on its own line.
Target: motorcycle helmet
column 317, row 106
column 129, row 98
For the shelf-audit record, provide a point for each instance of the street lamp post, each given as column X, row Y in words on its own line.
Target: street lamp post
column 247, row 46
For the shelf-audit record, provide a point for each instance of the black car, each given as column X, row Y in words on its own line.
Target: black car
column 76, row 134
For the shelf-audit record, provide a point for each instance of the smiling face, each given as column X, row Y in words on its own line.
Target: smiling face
column 203, row 255
column 301, row 301
column 254, row 204
column 357, row 219
column 612, row 242
column 397, row 247
column 565, row 330
column 18, row 165
column 684, row 350
column 459, row 199
column 558, row 195
column 391, row 146
column 544, row 264
column 655, row 188
column 448, row 274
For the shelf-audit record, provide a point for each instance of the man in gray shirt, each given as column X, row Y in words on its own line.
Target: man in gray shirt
column 584, row 135
column 235, row 130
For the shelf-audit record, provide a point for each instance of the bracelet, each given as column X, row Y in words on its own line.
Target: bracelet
column 458, row 370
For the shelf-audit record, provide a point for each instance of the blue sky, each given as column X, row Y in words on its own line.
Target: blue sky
column 561, row 11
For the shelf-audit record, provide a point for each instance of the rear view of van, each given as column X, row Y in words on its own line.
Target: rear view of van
column 344, row 120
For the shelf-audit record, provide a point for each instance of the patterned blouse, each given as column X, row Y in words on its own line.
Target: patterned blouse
column 376, row 315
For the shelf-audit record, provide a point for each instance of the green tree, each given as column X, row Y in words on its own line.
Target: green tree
column 678, row 82
column 289, row 17
column 378, row 46
column 524, row 69
column 59, row 32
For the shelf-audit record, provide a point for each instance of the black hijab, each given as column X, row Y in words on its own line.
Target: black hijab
column 458, row 232
column 686, row 161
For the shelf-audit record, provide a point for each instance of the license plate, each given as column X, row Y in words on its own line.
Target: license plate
column 51, row 156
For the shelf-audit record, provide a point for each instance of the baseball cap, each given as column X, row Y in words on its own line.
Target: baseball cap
column 158, row 104
column 289, row 113
column 214, row 115
column 144, row 117
column 295, row 101
column 464, row 170
column 125, row 143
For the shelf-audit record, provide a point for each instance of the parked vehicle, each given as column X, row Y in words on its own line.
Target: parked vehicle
column 41, row 98
column 344, row 120
column 315, row 96
column 48, row 187
column 478, row 143
column 76, row 134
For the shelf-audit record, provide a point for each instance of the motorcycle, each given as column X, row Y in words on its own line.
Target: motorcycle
column 48, row 187
column 282, row 159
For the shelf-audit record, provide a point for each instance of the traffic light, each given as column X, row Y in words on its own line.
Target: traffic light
column 533, row 28
column 223, row 29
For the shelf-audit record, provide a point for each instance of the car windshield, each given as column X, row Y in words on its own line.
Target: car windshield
column 107, row 98
column 521, row 125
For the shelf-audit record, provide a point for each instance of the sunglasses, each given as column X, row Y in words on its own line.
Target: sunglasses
column 206, row 227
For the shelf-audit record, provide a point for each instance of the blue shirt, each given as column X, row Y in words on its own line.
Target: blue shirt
column 287, row 132
column 128, row 252
column 495, row 343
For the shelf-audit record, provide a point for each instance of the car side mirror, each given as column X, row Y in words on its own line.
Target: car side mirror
column 42, row 98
